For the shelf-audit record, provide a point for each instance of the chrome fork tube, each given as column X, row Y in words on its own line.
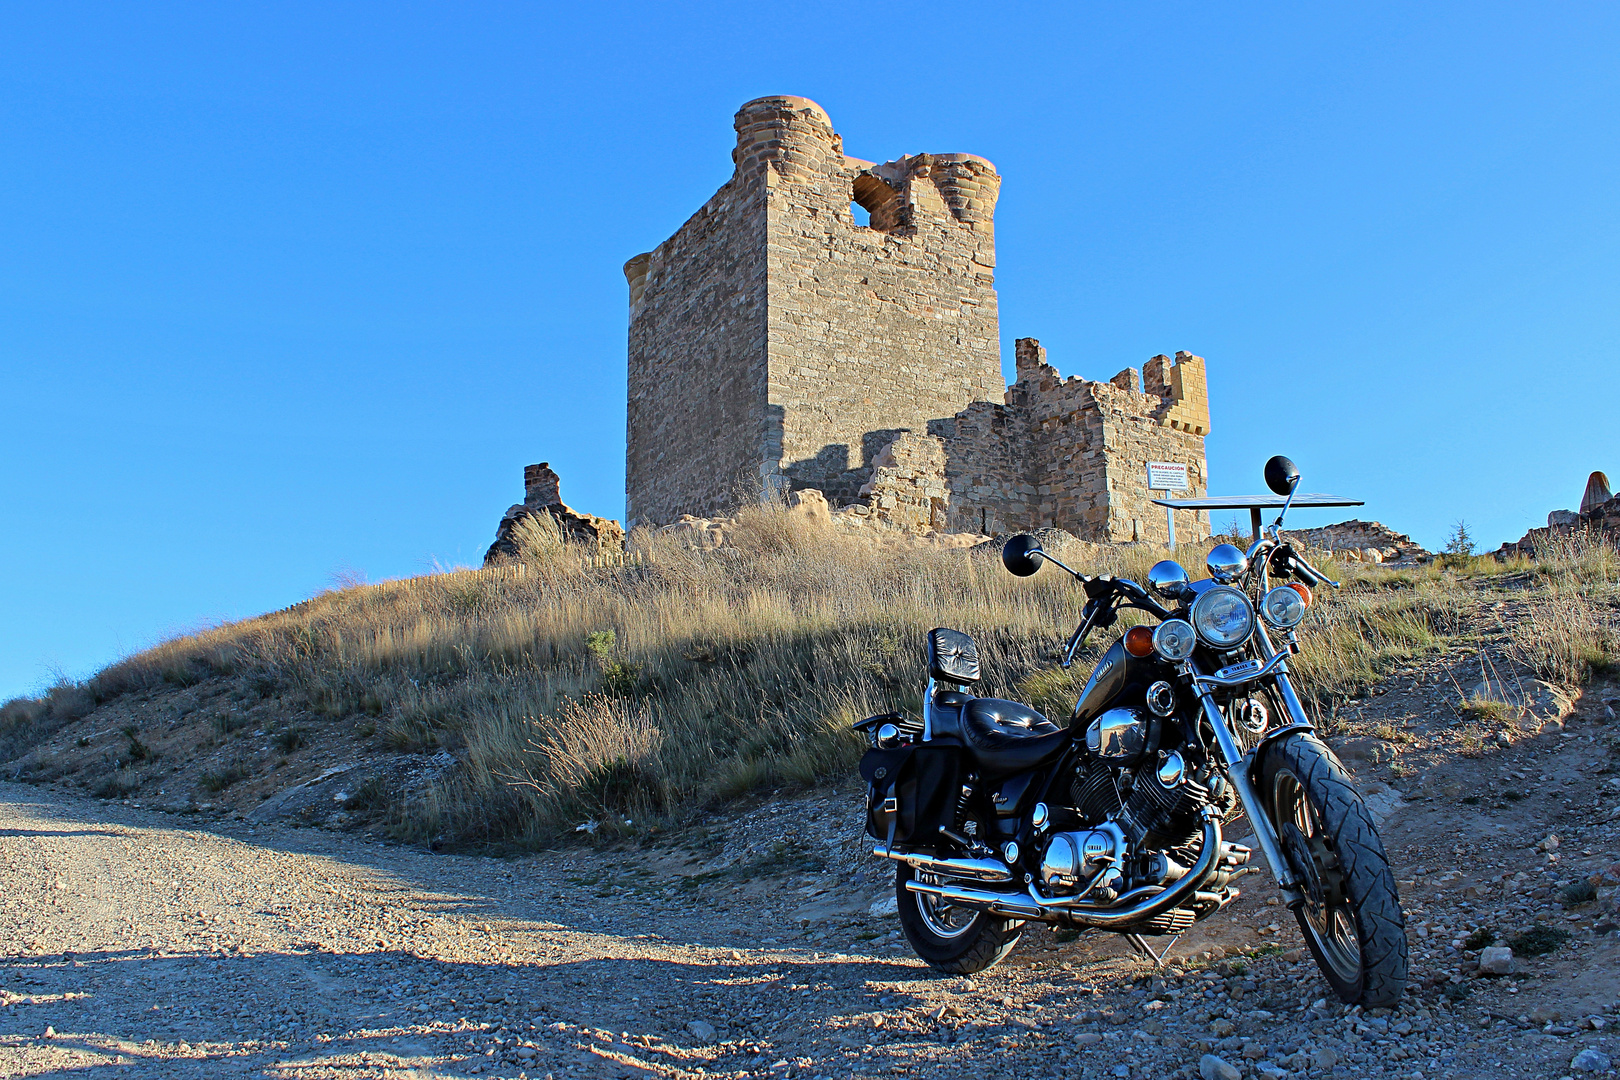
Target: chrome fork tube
column 1285, row 687
column 1238, row 771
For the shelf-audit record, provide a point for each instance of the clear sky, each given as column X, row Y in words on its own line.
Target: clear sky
column 294, row 291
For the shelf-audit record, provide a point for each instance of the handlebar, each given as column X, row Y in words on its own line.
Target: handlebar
column 1287, row 559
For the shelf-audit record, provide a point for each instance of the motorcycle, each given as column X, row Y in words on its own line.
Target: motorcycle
column 996, row 817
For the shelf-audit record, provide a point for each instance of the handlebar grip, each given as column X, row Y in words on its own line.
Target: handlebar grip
column 1312, row 574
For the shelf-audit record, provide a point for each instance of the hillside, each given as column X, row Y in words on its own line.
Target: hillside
column 511, row 705
column 751, row 941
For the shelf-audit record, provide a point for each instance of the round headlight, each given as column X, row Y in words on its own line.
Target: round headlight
column 1174, row 639
column 1283, row 607
column 1223, row 617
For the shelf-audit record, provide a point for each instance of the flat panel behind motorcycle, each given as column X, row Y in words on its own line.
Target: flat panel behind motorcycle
column 911, row 791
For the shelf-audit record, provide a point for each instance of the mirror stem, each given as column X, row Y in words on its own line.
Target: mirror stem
column 1292, row 488
column 1054, row 562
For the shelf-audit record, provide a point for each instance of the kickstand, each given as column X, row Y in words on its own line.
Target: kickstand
column 1139, row 943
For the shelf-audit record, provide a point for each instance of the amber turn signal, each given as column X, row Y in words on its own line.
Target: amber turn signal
column 1303, row 590
column 1139, row 641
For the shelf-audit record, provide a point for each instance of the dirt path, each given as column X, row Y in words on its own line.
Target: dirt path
column 138, row 944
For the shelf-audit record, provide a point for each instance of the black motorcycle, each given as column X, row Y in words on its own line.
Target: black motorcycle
column 997, row 817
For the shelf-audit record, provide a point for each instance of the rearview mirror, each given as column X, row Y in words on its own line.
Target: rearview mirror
column 1022, row 555
column 1281, row 475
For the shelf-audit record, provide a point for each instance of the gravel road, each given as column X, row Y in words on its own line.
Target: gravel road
column 135, row 943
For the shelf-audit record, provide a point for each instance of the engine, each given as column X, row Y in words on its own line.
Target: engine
column 1141, row 807
column 1162, row 808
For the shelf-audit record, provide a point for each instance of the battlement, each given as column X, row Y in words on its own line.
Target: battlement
column 775, row 344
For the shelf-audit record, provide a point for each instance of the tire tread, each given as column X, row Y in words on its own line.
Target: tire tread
column 1369, row 880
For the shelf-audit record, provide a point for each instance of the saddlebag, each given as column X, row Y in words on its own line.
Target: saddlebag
column 911, row 791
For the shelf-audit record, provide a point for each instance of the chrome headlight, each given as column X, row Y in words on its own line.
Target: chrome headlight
column 1223, row 617
column 1174, row 639
column 1283, row 607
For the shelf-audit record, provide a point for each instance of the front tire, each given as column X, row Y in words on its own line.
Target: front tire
column 951, row 939
column 1351, row 917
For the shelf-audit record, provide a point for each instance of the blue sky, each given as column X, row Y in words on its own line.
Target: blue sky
column 289, row 291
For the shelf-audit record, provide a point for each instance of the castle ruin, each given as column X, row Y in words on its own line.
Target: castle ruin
column 776, row 345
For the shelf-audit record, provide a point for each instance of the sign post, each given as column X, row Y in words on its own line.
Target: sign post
column 1167, row 476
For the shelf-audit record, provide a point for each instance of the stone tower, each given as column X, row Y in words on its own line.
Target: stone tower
column 776, row 343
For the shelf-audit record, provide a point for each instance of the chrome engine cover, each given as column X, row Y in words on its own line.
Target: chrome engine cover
column 1120, row 734
column 1073, row 858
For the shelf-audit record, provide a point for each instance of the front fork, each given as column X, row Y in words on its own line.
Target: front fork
column 1238, row 768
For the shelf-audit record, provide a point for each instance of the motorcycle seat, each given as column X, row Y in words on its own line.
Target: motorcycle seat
column 1003, row 737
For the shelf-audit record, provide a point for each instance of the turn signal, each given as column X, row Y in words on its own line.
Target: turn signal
column 1139, row 641
column 1303, row 590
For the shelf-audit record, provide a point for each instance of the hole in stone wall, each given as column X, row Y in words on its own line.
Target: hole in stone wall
column 875, row 203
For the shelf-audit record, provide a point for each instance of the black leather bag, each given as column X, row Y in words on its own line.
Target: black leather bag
column 910, row 792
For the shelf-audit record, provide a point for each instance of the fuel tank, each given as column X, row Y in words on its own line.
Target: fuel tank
column 1117, row 672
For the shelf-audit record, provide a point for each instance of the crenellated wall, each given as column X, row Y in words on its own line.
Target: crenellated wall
column 1072, row 453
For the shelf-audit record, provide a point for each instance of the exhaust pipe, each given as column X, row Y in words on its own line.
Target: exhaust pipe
column 1087, row 913
column 972, row 869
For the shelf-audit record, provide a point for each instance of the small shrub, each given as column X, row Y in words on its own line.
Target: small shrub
column 619, row 679
column 410, row 735
column 372, row 799
column 1460, row 544
column 116, row 786
column 289, row 738
column 1479, row 938
column 1489, row 710
column 227, row 722
column 1577, row 892
column 1512, row 795
column 1539, row 940
column 221, row 779
column 1471, row 800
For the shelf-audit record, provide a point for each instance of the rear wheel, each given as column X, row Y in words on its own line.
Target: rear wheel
column 1351, row 916
column 952, row 939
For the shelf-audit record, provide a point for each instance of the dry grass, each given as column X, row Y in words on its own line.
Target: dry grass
column 1572, row 629
column 577, row 688
column 574, row 689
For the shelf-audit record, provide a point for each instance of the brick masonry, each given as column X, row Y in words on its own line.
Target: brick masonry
column 776, row 345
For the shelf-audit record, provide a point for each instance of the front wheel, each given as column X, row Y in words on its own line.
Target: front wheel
column 954, row 940
column 1351, row 916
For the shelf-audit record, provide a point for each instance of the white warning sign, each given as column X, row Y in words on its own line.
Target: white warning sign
column 1167, row 476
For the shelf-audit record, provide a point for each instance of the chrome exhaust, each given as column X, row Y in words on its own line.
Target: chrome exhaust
column 1078, row 912
column 971, row 869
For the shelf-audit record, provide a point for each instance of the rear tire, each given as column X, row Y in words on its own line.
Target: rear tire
column 1351, row 917
column 952, row 940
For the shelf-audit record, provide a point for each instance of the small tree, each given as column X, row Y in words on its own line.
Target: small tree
column 1460, row 543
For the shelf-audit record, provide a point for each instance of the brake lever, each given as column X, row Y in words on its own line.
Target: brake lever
column 1309, row 572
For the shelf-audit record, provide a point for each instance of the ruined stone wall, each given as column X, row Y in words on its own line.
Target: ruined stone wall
column 697, row 418
column 989, row 474
column 1072, row 454
column 873, row 329
column 907, row 486
column 776, row 343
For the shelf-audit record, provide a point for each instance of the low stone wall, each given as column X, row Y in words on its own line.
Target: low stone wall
column 1361, row 541
column 1600, row 520
column 542, row 495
